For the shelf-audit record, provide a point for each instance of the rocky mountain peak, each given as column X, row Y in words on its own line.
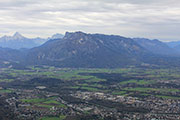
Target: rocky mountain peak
column 17, row 35
column 75, row 35
column 56, row 36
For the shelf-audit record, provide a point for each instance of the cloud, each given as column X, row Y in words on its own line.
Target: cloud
column 131, row 18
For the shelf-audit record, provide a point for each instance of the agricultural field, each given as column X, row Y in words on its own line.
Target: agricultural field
column 126, row 80
column 61, row 117
column 44, row 103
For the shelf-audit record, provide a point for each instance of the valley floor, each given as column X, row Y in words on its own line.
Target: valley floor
column 49, row 93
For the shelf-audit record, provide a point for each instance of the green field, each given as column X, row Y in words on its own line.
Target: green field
column 61, row 117
column 5, row 91
column 139, row 82
column 6, row 80
column 35, row 100
column 44, row 102
column 119, row 93
column 115, row 81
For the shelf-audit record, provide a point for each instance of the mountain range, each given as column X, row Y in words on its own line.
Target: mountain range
column 87, row 50
column 157, row 47
column 78, row 50
column 17, row 41
column 175, row 45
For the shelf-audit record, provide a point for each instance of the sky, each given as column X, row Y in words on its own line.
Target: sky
column 154, row 19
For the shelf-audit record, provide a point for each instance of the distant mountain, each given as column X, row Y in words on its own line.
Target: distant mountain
column 156, row 46
column 12, row 58
column 8, row 54
column 17, row 41
column 177, row 48
column 82, row 50
column 79, row 49
column 173, row 44
column 56, row 36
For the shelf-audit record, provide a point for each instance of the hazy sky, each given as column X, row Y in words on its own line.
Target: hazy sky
column 131, row 18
